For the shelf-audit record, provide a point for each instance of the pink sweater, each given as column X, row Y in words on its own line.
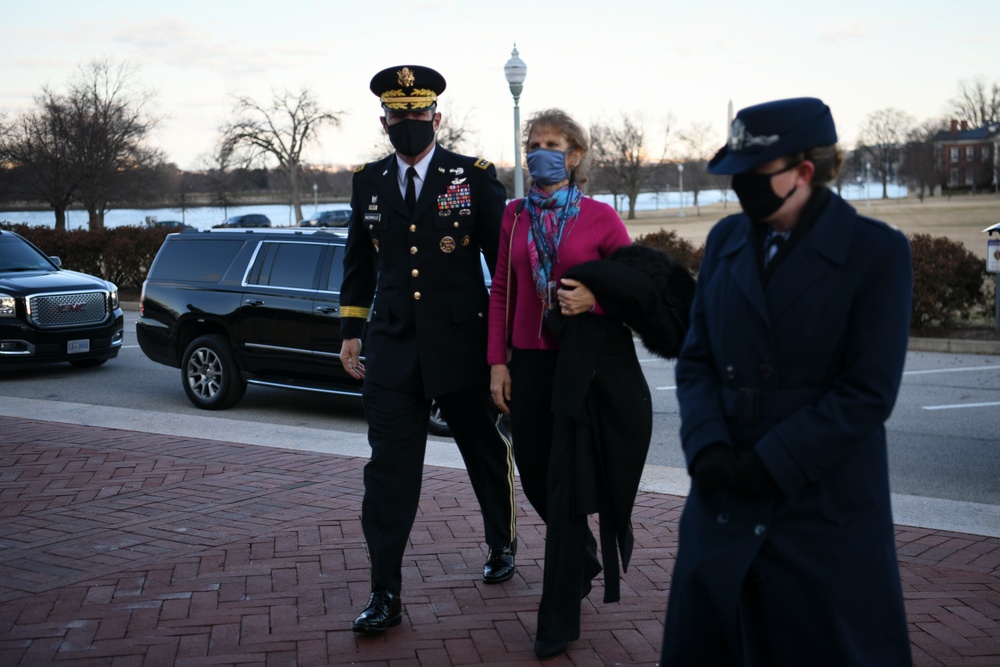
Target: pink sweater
column 595, row 234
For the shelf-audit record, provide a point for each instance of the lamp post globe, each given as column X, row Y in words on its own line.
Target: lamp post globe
column 680, row 188
column 515, row 70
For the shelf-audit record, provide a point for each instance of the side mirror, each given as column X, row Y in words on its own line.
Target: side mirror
column 56, row 261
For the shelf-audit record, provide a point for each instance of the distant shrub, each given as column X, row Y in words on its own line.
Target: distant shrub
column 671, row 243
column 949, row 281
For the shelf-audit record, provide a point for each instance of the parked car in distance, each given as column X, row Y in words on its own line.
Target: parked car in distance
column 248, row 220
column 172, row 225
column 333, row 218
column 49, row 314
column 258, row 307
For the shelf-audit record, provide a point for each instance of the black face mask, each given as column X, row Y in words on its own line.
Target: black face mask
column 410, row 136
column 757, row 197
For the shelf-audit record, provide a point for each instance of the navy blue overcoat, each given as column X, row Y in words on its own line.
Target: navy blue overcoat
column 805, row 369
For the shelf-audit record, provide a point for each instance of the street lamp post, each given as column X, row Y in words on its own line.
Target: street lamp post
column 868, row 179
column 680, row 188
column 315, row 198
column 515, row 70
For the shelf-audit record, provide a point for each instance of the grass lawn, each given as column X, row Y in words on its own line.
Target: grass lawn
column 961, row 218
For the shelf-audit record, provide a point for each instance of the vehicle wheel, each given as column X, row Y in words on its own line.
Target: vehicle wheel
column 436, row 424
column 87, row 363
column 210, row 375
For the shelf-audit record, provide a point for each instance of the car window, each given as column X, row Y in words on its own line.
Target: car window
column 17, row 255
column 336, row 276
column 204, row 261
column 294, row 265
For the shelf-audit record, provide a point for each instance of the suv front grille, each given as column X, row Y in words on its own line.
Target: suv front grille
column 66, row 310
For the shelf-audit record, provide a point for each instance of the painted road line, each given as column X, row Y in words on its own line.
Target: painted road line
column 957, row 406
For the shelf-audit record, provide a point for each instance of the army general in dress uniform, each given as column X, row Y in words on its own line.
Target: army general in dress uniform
column 420, row 219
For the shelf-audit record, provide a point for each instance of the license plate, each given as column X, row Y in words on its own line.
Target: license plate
column 78, row 346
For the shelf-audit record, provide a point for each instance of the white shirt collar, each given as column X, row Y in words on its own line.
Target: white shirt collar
column 421, row 168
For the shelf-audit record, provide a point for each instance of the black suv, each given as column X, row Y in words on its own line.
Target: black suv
column 235, row 307
column 248, row 220
column 48, row 314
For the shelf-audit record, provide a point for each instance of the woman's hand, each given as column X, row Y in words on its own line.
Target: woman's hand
column 575, row 298
column 500, row 386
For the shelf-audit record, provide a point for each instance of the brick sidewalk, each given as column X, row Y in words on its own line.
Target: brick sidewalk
column 125, row 548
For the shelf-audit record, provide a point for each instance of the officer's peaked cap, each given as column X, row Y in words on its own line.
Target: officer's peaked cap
column 768, row 131
column 407, row 87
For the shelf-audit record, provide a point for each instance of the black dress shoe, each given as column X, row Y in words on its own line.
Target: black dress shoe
column 384, row 610
column 499, row 565
column 544, row 649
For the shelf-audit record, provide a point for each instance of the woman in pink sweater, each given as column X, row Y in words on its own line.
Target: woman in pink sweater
column 552, row 230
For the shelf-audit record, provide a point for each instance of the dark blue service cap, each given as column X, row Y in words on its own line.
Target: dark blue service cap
column 407, row 87
column 765, row 132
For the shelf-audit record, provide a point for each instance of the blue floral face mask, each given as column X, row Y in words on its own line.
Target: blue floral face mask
column 546, row 166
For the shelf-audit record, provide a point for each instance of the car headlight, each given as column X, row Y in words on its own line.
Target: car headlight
column 114, row 299
column 7, row 306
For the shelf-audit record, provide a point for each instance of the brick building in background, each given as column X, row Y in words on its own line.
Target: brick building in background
column 968, row 157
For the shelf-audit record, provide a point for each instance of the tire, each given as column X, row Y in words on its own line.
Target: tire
column 86, row 363
column 210, row 375
column 436, row 424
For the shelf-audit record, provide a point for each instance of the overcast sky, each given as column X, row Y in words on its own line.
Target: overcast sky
column 661, row 59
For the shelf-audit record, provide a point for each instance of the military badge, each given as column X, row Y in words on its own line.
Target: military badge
column 447, row 244
column 405, row 77
column 458, row 195
column 465, row 241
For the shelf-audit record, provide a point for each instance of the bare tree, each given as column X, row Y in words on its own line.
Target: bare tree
column 280, row 131
column 40, row 154
column 919, row 166
column 882, row 137
column 619, row 150
column 699, row 144
column 978, row 102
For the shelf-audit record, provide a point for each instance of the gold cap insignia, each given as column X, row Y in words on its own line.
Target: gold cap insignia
column 405, row 77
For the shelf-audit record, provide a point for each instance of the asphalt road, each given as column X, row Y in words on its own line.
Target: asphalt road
column 944, row 436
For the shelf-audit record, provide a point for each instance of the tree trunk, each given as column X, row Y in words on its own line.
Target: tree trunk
column 293, row 185
column 60, row 212
column 95, row 218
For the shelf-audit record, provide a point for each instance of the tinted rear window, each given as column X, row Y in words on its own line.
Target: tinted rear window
column 202, row 260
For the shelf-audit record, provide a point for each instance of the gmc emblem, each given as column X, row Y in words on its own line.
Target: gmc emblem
column 71, row 307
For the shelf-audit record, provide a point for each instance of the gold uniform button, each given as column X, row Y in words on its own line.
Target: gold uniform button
column 413, row 250
column 414, row 273
column 456, row 225
column 416, row 296
column 413, row 228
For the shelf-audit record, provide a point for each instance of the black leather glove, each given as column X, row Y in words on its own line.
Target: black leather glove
column 721, row 467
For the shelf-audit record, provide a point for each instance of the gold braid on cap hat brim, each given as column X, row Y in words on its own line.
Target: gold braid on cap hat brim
column 420, row 98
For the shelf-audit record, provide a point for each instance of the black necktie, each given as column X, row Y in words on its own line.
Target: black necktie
column 411, row 190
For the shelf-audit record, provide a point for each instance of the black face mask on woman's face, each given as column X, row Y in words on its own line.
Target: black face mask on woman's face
column 410, row 136
column 757, row 197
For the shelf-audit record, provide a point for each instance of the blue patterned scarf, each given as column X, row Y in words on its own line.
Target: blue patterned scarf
column 550, row 218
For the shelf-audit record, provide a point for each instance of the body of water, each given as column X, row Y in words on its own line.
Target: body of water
column 282, row 215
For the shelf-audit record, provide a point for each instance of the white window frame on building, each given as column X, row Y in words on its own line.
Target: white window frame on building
column 953, row 154
column 953, row 177
column 970, row 153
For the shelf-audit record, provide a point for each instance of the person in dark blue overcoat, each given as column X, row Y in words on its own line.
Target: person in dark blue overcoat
column 790, row 368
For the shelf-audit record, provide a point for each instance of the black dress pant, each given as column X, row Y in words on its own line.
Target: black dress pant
column 397, row 434
column 547, row 449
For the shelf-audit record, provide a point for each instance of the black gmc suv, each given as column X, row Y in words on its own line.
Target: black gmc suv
column 232, row 307
column 49, row 314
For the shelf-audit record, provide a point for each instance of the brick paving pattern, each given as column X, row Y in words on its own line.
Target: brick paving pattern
column 125, row 548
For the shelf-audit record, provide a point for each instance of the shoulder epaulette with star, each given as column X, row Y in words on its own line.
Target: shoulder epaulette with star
column 360, row 167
